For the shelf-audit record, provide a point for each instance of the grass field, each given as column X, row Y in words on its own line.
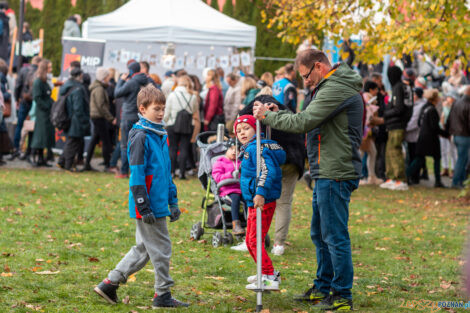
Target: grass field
column 61, row 233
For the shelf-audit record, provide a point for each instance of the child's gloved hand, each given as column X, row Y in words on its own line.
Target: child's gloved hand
column 235, row 174
column 149, row 218
column 175, row 213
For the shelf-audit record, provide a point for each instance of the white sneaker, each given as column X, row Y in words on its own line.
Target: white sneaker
column 399, row 185
column 253, row 279
column 240, row 247
column 277, row 250
column 267, row 284
column 388, row 183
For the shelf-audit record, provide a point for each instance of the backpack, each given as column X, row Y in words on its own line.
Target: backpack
column 59, row 117
column 183, row 123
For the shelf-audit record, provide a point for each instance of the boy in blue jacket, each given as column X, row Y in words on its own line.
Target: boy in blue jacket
column 261, row 193
column 152, row 197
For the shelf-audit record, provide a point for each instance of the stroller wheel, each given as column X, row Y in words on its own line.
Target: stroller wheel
column 196, row 231
column 228, row 239
column 267, row 241
column 217, row 239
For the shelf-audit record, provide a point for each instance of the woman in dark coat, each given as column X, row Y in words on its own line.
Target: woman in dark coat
column 44, row 133
column 428, row 140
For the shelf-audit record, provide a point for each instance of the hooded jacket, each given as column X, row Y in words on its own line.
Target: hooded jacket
column 399, row 109
column 99, row 102
column 78, row 109
column 150, row 184
column 71, row 29
column 270, row 181
column 129, row 90
column 222, row 170
column 333, row 122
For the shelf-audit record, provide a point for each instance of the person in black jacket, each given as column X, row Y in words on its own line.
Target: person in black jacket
column 381, row 135
column 397, row 113
column 292, row 170
column 128, row 87
column 428, row 141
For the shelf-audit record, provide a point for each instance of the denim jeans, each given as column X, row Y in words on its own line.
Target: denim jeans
column 126, row 126
column 236, row 198
column 330, row 234
column 22, row 115
column 463, row 145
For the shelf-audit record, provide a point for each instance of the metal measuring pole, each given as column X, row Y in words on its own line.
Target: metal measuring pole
column 259, row 291
column 220, row 132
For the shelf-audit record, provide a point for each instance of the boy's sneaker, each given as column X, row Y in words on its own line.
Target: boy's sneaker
column 253, row 279
column 107, row 290
column 311, row 295
column 267, row 284
column 166, row 301
column 387, row 184
column 240, row 247
column 399, row 185
column 334, row 302
column 277, row 250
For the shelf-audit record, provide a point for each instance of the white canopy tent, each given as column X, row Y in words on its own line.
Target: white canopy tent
column 176, row 21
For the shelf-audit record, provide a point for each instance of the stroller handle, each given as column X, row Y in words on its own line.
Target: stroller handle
column 201, row 137
column 226, row 182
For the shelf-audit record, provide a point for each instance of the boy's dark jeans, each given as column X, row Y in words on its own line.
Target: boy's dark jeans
column 329, row 233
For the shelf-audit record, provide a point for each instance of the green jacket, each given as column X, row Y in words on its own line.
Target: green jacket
column 77, row 109
column 99, row 102
column 44, row 132
column 333, row 123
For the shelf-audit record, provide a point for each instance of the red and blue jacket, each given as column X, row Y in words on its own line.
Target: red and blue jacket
column 151, row 185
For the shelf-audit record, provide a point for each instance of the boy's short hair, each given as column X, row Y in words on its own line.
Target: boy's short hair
column 148, row 95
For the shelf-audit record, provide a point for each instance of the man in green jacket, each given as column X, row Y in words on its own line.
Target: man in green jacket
column 333, row 122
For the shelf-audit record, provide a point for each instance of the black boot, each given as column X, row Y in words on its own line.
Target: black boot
column 107, row 290
column 14, row 155
column 166, row 301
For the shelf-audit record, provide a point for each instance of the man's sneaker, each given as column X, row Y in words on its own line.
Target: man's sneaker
column 166, row 301
column 240, row 247
column 253, row 279
column 121, row 175
column 387, row 184
column 399, row 185
column 107, row 290
column 277, row 250
column 266, row 284
column 334, row 302
column 311, row 295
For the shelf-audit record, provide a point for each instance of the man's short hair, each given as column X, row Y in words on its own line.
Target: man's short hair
column 232, row 77
column 148, row 95
column 375, row 75
column 310, row 56
column 145, row 64
column 75, row 64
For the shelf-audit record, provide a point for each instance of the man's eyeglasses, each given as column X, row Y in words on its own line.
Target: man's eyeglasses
column 310, row 72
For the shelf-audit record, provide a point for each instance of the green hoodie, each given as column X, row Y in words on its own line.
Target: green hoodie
column 333, row 123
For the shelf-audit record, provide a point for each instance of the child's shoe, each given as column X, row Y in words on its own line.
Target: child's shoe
column 268, row 283
column 166, row 301
column 107, row 290
column 240, row 247
column 253, row 279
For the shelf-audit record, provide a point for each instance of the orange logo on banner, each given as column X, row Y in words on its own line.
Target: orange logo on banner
column 69, row 58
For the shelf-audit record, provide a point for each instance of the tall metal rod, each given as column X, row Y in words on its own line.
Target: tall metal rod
column 259, row 292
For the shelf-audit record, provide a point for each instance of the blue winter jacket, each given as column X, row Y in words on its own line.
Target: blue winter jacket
column 150, row 183
column 270, row 180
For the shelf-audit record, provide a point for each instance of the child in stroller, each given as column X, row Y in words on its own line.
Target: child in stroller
column 226, row 167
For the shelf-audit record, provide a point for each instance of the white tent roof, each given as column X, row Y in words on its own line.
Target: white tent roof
column 178, row 21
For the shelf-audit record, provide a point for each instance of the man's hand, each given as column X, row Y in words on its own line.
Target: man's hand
column 273, row 107
column 259, row 109
column 206, row 122
column 175, row 213
column 149, row 218
column 235, row 174
column 124, row 76
column 114, row 121
column 258, row 202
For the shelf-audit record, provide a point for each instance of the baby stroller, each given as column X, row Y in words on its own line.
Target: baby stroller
column 216, row 210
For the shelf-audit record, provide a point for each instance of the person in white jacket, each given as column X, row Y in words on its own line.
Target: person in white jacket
column 182, row 98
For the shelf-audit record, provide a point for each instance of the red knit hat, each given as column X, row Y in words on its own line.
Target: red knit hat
column 249, row 119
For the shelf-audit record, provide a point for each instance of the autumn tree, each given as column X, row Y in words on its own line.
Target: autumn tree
column 440, row 27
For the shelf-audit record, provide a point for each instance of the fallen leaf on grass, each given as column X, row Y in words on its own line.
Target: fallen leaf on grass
column 6, row 268
column 131, row 278
column 143, row 307
column 215, row 277
column 47, row 273
column 93, row 259
column 36, row 268
column 445, row 285
column 126, row 300
column 34, row 307
column 6, row 274
column 241, row 299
